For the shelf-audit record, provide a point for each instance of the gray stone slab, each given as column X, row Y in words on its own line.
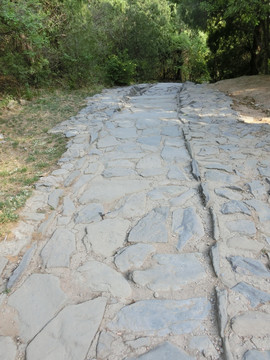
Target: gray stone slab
column 257, row 355
column 214, row 254
column 188, row 225
column 58, row 250
column 53, row 199
column 171, row 273
column 215, row 225
column 165, row 351
column 175, row 173
column 98, row 277
column 21, row 267
column 235, row 206
column 222, row 310
column 245, row 227
column 195, row 170
column 262, row 209
column 204, row 193
column 264, row 171
column 183, row 198
column 171, row 130
column 243, row 242
column 256, row 297
column 152, row 172
column 251, row 323
column 204, row 345
column 124, row 133
column 107, row 141
column 8, row 348
column 228, row 194
column 71, row 178
column 150, row 140
column 149, row 161
column 170, row 153
column 139, row 342
column 161, row 317
column 69, row 335
column 89, row 213
column 248, row 266
column 257, row 189
column 218, row 166
column 118, row 172
column 3, row 263
column 37, row 301
column 133, row 256
column 106, row 236
column 151, row 228
column 68, row 207
column 208, row 150
column 222, row 177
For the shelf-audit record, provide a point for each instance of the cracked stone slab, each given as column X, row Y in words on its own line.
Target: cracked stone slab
column 109, row 190
column 245, row 227
column 164, row 351
column 235, row 206
column 58, row 250
column 132, row 206
column 262, row 209
column 255, row 296
column 248, row 266
column 8, row 348
column 188, row 225
column 39, row 294
column 161, row 317
column 69, row 335
column 133, row 256
column 251, row 323
column 106, row 236
column 172, row 272
column 218, row 166
column 151, row 228
column 257, row 355
column 100, row 277
column 89, row 213
column 228, row 194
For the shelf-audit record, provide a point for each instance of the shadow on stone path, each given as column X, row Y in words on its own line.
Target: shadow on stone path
column 152, row 239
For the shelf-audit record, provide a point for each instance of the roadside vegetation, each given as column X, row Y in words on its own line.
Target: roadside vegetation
column 54, row 53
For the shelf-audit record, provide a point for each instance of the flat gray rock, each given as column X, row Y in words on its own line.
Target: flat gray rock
column 171, row 130
column 57, row 251
column 107, row 141
column 248, row 266
column 8, row 348
column 183, row 198
column 204, row 345
column 124, row 133
column 39, row 294
column 219, row 166
column 165, row 351
column 235, row 206
column 133, row 256
column 257, row 189
column 150, row 140
column 172, row 272
column 118, row 172
column 149, row 161
column 188, row 225
column 255, row 296
column 54, row 197
column 251, row 323
column 175, row 173
column 214, row 254
column 245, row 227
column 161, row 317
column 262, row 209
column 69, row 335
column 264, row 171
column 228, row 194
column 23, row 264
column 100, row 277
column 170, row 153
column 106, row 236
column 151, row 228
column 222, row 177
column 68, row 207
column 89, row 213
column 257, row 355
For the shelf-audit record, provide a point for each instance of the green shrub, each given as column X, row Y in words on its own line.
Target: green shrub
column 120, row 70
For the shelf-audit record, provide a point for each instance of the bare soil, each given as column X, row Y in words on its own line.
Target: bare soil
column 251, row 96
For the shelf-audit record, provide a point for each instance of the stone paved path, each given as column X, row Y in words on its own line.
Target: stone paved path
column 152, row 239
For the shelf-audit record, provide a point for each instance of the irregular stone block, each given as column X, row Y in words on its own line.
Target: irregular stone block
column 257, row 188
column 150, row 140
column 214, row 254
column 118, row 172
column 245, row 227
column 161, row 317
column 99, row 277
column 257, row 355
column 195, row 170
column 235, row 206
column 39, row 295
column 171, row 273
column 134, row 206
column 182, row 199
column 151, row 228
column 19, row 269
column 248, row 266
column 164, row 351
column 89, row 213
column 8, row 349
column 188, row 225
column 176, row 174
column 205, row 193
column 105, row 341
column 106, row 236
column 251, row 323
column 255, row 296
column 53, row 199
column 222, row 310
column 133, row 256
column 219, row 176
column 204, row 345
column 68, row 207
column 228, row 194
column 171, row 130
column 262, row 209
column 3, row 263
column 245, row 243
column 170, row 154
column 69, row 335
column 107, row 141
column 215, row 226
column 218, row 166
column 57, row 251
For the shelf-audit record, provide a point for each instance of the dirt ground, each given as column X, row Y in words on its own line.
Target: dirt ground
column 251, row 96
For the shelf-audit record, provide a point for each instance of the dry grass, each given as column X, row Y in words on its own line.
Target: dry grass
column 27, row 151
